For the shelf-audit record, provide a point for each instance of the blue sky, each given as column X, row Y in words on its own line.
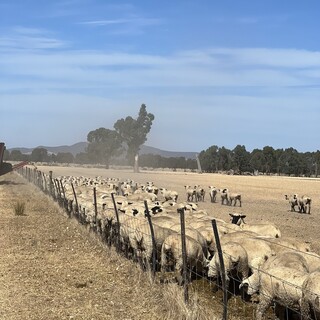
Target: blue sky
column 212, row 72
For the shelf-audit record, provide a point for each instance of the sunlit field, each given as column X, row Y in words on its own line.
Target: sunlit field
column 262, row 196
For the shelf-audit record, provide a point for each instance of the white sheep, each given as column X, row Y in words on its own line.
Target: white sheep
column 279, row 279
column 200, row 193
column 304, row 204
column 213, row 193
column 311, row 295
column 293, row 201
column 171, row 255
column 235, row 259
column 169, row 194
column 191, row 193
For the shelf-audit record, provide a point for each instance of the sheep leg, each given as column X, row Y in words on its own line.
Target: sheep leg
column 264, row 304
column 304, row 309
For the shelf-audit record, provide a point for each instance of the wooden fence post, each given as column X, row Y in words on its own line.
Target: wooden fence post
column 57, row 185
column 64, row 194
column 118, row 222
column 50, row 183
column 76, row 200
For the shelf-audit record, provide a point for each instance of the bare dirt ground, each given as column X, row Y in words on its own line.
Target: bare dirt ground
column 262, row 196
column 53, row 268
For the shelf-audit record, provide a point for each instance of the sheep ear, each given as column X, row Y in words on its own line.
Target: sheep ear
column 231, row 214
column 243, row 216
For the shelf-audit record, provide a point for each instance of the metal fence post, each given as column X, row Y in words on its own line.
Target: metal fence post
column 223, row 272
column 95, row 207
column 184, row 255
column 154, row 246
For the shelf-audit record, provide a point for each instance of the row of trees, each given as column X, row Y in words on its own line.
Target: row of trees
column 157, row 161
column 145, row 160
column 121, row 146
column 268, row 161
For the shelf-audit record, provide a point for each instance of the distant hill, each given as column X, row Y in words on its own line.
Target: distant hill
column 74, row 149
column 167, row 154
column 81, row 147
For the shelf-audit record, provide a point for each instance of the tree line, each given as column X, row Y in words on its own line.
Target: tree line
column 121, row 145
column 145, row 160
column 266, row 161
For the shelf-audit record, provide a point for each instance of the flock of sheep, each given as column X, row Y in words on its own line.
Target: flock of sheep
column 272, row 267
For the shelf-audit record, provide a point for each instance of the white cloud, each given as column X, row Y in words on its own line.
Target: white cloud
column 29, row 39
column 280, row 58
column 215, row 67
column 134, row 21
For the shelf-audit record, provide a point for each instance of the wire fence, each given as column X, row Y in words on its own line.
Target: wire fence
column 252, row 277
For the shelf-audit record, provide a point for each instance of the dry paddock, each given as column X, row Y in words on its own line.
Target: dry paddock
column 53, row 268
column 262, row 196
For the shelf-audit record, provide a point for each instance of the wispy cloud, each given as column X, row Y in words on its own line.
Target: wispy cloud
column 212, row 67
column 124, row 26
column 134, row 21
column 29, row 38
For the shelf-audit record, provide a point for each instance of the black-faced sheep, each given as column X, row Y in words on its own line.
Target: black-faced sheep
column 266, row 229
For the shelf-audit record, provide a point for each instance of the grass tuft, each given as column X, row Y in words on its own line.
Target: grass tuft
column 19, row 208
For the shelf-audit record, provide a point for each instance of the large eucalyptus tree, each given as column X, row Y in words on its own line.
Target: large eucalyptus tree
column 133, row 133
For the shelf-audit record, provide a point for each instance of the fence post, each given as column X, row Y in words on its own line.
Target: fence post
column 154, row 247
column 45, row 186
column 57, row 185
column 118, row 222
column 76, row 200
column 64, row 195
column 95, row 207
column 50, row 183
column 184, row 255
column 223, row 272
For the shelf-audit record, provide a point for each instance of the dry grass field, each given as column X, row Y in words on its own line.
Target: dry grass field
column 262, row 196
column 53, row 268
